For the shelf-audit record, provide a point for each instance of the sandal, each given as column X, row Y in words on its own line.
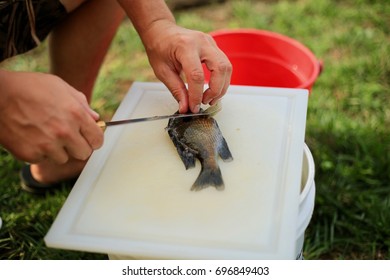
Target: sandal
column 29, row 184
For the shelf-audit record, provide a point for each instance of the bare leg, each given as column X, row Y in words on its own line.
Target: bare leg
column 78, row 46
column 77, row 50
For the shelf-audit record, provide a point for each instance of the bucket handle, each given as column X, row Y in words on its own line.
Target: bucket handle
column 321, row 66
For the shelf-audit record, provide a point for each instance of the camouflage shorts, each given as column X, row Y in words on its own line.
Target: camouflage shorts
column 24, row 23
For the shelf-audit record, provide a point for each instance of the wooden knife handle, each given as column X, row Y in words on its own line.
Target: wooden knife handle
column 101, row 124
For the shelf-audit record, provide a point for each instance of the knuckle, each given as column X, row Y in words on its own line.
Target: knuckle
column 227, row 66
column 162, row 72
column 184, row 40
column 62, row 132
column 82, row 96
column 75, row 111
column 177, row 93
column 204, row 38
column 197, row 38
column 55, row 78
column 61, row 160
column 208, row 37
column 197, row 76
column 33, row 156
column 50, row 151
column 224, row 67
column 45, row 148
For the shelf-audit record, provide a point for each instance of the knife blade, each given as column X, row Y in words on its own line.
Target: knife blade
column 103, row 124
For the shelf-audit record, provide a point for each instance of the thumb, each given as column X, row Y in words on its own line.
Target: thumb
column 178, row 90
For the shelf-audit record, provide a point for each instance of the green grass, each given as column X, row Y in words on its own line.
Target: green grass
column 348, row 123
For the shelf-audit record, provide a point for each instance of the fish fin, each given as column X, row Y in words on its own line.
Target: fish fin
column 185, row 153
column 224, row 152
column 222, row 148
column 186, row 157
column 209, row 177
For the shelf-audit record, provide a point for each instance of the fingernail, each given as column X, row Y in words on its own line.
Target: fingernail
column 181, row 108
column 196, row 108
column 214, row 101
column 207, row 101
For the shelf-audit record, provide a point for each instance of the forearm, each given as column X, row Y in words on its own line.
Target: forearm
column 144, row 14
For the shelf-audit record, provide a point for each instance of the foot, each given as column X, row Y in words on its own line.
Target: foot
column 46, row 177
column 50, row 173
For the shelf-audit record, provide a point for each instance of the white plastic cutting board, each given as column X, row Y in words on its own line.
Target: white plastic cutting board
column 133, row 197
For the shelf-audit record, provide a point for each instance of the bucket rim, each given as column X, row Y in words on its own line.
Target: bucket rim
column 293, row 42
column 310, row 173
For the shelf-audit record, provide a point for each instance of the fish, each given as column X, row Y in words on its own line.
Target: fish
column 199, row 137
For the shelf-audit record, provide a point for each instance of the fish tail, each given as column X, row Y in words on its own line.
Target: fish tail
column 209, row 177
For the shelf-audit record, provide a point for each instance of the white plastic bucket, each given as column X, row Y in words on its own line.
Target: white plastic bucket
column 306, row 205
column 306, row 199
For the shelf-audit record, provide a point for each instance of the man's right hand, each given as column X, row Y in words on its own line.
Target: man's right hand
column 44, row 118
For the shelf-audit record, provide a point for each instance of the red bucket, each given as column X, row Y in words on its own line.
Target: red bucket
column 264, row 58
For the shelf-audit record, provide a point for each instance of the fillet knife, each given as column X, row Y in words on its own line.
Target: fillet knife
column 212, row 110
column 103, row 124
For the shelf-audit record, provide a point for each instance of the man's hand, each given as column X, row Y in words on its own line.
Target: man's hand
column 44, row 118
column 174, row 50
